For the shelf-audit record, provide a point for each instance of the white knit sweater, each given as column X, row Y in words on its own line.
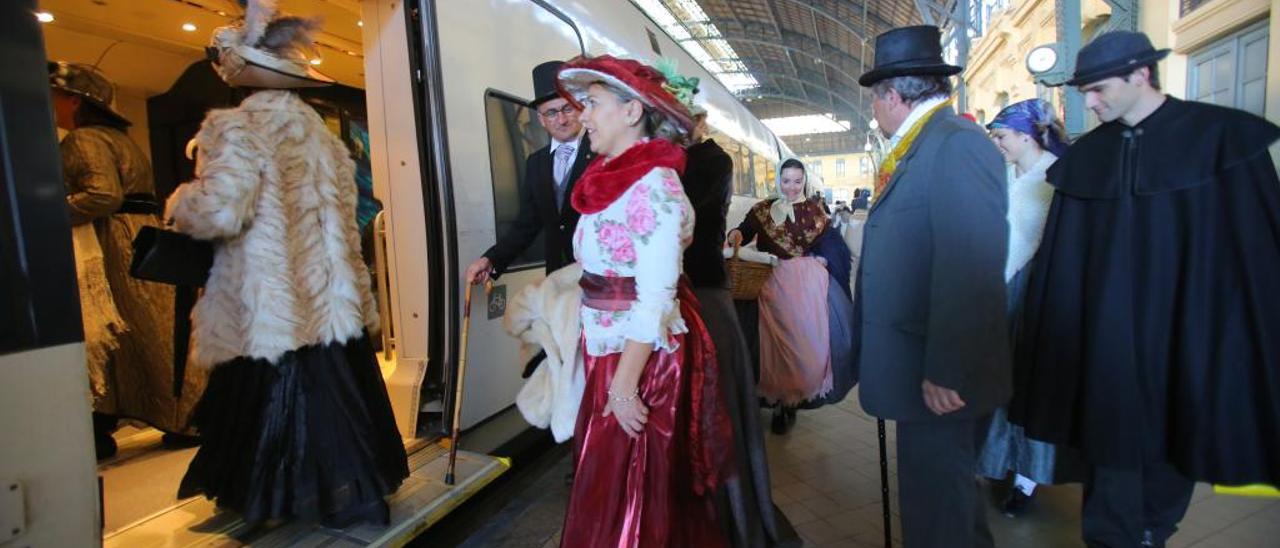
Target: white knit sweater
column 275, row 190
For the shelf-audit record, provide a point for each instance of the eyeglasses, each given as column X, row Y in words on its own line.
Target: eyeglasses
column 551, row 113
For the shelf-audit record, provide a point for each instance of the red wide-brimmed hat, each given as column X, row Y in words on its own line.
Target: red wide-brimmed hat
column 641, row 80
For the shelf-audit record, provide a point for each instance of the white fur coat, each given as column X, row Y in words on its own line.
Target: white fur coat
column 546, row 314
column 275, row 191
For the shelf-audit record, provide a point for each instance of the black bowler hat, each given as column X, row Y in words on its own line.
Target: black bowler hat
column 908, row 51
column 1114, row 53
column 544, row 82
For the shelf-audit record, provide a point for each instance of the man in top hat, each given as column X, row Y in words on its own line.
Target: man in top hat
column 934, row 349
column 548, row 181
column 1149, row 337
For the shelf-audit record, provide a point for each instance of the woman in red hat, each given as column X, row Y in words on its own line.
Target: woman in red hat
column 652, row 436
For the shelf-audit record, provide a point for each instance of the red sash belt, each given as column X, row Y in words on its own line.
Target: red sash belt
column 710, row 432
column 612, row 293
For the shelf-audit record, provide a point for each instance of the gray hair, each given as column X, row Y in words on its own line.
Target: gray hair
column 656, row 124
column 914, row 89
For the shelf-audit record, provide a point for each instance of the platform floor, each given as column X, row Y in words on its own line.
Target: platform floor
column 826, row 479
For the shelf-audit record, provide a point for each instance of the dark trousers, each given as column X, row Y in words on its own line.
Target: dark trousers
column 1125, row 508
column 941, row 502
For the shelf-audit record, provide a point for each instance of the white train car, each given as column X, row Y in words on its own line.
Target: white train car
column 444, row 82
column 485, row 54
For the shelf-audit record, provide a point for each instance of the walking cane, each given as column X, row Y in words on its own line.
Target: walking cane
column 884, row 486
column 457, row 394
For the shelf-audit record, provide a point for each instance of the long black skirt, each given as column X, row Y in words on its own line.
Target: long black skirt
column 745, row 502
column 311, row 436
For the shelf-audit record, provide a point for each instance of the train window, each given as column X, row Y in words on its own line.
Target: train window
column 513, row 136
column 763, row 172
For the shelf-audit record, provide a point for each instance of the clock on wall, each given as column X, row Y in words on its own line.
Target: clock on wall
column 1042, row 59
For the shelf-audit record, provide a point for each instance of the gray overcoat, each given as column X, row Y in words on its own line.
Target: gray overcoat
column 931, row 280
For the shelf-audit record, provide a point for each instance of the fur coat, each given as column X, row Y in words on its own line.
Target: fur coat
column 275, row 190
column 546, row 314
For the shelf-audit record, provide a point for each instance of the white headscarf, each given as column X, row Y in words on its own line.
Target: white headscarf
column 784, row 210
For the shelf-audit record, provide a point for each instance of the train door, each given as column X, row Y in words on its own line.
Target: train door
column 487, row 52
column 152, row 50
column 48, row 487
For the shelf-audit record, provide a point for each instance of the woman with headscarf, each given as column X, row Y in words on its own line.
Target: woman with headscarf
column 1031, row 139
column 296, row 422
column 110, row 188
column 653, row 438
column 806, row 306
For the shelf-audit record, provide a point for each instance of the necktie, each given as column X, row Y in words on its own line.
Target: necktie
column 564, row 154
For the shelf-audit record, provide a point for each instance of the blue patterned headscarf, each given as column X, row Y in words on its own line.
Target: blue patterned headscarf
column 1033, row 117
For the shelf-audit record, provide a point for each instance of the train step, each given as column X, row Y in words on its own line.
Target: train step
column 422, row 501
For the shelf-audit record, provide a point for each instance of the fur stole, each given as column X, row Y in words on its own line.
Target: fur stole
column 546, row 314
column 604, row 181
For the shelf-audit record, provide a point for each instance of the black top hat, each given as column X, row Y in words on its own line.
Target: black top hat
column 544, row 82
column 1114, row 54
column 908, row 51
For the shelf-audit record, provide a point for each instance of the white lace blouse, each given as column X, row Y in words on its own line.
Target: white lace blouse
column 642, row 234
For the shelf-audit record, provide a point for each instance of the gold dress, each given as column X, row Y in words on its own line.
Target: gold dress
column 101, row 166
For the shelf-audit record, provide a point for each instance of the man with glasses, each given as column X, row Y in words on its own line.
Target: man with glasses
column 544, row 194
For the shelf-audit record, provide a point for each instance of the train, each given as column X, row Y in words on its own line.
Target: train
column 444, row 87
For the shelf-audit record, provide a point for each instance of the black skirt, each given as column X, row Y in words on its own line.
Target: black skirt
column 311, row 436
column 745, row 501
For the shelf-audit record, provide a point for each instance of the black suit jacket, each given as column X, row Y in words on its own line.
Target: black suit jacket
column 538, row 211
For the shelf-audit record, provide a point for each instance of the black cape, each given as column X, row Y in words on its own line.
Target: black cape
column 1152, row 320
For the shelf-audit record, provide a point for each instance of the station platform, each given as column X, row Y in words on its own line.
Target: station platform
column 826, row 478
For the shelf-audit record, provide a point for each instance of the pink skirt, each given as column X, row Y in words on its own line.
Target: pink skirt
column 795, row 349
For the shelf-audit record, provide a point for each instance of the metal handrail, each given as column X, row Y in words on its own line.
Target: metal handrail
column 384, row 283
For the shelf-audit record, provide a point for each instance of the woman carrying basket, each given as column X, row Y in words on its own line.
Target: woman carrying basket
column 805, row 307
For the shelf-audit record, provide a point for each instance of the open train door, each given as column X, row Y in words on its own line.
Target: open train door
column 48, row 480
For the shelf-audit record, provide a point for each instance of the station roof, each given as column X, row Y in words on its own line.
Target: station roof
column 792, row 58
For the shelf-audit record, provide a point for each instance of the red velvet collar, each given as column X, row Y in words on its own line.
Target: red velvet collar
column 603, row 182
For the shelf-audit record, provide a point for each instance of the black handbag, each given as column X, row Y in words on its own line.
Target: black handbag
column 170, row 258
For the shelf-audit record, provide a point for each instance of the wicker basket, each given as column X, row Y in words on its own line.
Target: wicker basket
column 746, row 277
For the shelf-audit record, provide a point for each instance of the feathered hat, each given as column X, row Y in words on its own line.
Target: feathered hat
column 639, row 79
column 683, row 87
column 267, row 50
column 87, row 82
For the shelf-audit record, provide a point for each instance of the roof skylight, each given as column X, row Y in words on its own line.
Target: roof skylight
column 691, row 27
column 806, row 125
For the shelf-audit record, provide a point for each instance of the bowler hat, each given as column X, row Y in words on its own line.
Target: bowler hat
column 1115, row 53
column 908, row 51
column 544, row 82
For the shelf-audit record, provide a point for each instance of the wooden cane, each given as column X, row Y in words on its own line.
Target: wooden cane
column 458, row 381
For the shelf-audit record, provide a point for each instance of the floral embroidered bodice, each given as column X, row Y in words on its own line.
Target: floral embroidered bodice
column 642, row 234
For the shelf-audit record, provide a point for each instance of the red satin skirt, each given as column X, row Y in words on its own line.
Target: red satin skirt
column 643, row 492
